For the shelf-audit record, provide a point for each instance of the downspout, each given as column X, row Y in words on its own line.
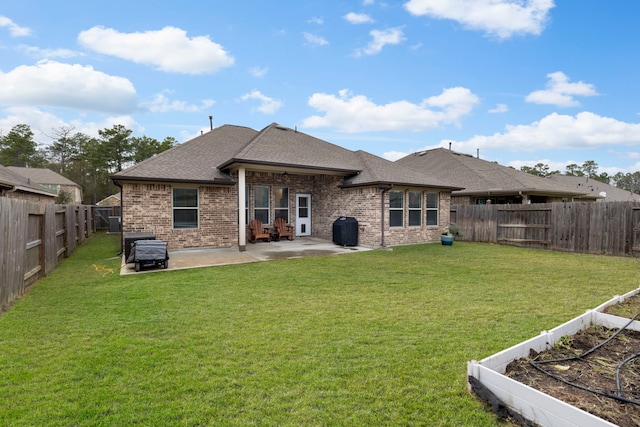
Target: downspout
column 384, row 190
column 121, row 221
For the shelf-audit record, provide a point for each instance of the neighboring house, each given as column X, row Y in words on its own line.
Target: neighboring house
column 112, row 200
column 52, row 181
column 596, row 190
column 487, row 182
column 15, row 186
column 197, row 193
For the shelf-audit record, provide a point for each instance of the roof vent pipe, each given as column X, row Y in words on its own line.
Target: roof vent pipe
column 449, row 145
column 477, row 152
column 211, row 122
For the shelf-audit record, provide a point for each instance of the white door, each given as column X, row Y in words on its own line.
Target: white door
column 303, row 214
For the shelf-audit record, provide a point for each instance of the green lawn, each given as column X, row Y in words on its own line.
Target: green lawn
column 369, row 338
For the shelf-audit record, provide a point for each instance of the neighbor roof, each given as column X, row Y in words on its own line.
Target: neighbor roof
column 596, row 189
column 210, row 157
column 480, row 177
column 11, row 180
column 42, row 176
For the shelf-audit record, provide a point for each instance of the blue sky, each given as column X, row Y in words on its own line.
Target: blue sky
column 520, row 82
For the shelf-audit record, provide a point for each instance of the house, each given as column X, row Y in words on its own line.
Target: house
column 487, row 182
column 198, row 193
column 112, row 200
column 15, row 186
column 51, row 180
column 596, row 190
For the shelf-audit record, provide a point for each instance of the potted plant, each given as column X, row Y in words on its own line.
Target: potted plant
column 449, row 234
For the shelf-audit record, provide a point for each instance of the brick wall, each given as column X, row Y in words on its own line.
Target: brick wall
column 148, row 208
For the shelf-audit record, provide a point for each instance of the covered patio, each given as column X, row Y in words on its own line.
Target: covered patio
column 262, row 251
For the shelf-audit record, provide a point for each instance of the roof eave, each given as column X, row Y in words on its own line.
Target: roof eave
column 121, row 179
column 236, row 163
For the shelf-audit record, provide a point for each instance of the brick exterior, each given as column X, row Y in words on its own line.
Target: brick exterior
column 148, row 208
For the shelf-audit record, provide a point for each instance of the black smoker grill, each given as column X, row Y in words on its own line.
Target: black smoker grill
column 345, row 231
column 149, row 253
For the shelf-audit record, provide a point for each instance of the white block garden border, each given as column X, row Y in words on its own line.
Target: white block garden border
column 486, row 378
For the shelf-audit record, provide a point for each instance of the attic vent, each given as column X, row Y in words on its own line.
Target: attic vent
column 282, row 127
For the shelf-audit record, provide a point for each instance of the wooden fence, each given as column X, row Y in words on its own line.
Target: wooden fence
column 610, row 228
column 33, row 241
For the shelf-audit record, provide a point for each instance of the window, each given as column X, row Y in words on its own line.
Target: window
column 415, row 208
column 261, row 203
column 281, row 202
column 185, row 208
column 432, row 208
column 396, row 208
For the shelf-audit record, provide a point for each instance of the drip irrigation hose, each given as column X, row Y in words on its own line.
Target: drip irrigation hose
column 618, row 395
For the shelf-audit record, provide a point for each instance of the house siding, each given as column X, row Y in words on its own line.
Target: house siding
column 148, row 208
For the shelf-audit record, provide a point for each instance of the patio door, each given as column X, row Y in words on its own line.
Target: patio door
column 303, row 214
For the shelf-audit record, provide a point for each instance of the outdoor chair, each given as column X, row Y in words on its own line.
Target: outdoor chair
column 258, row 231
column 282, row 229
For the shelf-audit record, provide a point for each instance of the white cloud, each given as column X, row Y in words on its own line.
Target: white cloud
column 258, row 71
column 315, row 40
column 501, row 18
column 37, row 52
column 367, row 2
column 381, row 38
column 556, row 131
column 14, row 29
column 169, row 49
column 356, row 113
column 267, row 105
column 316, row 20
column 500, row 108
column 162, row 104
column 560, row 92
column 42, row 122
column 64, row 85
column 358, row 18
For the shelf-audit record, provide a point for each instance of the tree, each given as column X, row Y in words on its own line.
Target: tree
column 64, row 147
column 573, row 170
column 17, row 148
column 629, row 181
column 145, row 147
column 116, row 147
column 540, row 169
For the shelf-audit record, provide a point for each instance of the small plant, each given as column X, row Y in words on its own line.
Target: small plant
column 455, row 230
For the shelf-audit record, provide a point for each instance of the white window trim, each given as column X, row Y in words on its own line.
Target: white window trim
column 196, row 207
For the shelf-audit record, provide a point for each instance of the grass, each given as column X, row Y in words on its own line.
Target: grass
column 370, row 338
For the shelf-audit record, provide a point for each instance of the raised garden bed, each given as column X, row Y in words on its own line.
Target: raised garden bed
column 581, row 373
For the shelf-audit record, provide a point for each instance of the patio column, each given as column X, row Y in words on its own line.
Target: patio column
column 242, row 215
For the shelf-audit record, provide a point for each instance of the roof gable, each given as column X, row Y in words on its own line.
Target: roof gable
column 194, row 160
column 279, row 145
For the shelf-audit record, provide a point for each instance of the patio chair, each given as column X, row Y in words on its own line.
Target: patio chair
column 282, row 229
column 258, row 231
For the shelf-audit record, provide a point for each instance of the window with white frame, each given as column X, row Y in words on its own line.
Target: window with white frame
column 261, row 203
column 396, row 208
column 432, row 208
column 415, row 208
column 246, row 204
column 281, row 203
column 185, row 208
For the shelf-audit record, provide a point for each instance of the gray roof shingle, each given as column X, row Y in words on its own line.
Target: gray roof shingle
column 43, row 176
column 10, row 179
column 479, row 176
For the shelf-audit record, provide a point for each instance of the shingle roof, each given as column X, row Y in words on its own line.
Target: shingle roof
column 479, row 176
column 282, row 146
column 594, row 188
column 194, row 160
column 42, row 176
column 376, row 170
column 209, row 157
column 10, row 179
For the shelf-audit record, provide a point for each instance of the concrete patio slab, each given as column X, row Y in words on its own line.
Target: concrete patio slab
column 300, row 247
